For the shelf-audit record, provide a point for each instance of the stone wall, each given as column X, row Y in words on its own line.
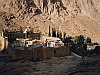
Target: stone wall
column 26, row 54
column 48, row 52
column 38, row 53
column 61, row 51
column 43, row 53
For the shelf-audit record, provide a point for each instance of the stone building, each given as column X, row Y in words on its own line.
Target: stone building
column 26, row 34
column 12, row 35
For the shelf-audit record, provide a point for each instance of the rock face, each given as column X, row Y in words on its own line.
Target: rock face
column 74, row 17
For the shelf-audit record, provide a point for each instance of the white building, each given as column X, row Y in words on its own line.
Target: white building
column 21, row 44
column 53, row 42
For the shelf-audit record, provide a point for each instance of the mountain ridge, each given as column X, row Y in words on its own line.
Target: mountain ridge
column 75, row 17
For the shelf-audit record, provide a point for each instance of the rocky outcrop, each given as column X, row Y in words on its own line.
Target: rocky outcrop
column 74, row 17
column 59, row 8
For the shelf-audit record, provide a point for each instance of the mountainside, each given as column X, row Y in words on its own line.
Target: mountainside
column 74, row 17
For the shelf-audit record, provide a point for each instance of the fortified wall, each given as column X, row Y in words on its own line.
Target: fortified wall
column 43, row 53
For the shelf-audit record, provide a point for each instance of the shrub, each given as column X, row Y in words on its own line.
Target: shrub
column 88, row 40
column 53, row 32
column 79, row 40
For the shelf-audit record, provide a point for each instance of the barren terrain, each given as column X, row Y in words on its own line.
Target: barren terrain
column 68, row 65
column 75, row 17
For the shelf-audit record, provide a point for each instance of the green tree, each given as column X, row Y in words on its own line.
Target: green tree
column 79, row 40
column 88, row 40
column 68, row 40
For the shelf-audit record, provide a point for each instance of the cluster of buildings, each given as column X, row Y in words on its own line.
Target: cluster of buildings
column 30, row 45
column 35, row 43
column 27, row 33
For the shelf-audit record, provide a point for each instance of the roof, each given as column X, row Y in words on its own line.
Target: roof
column 50, row 38
column 22, row 40
column 38, row 45
column 91, row 47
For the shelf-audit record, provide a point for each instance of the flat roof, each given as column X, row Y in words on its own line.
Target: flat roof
column 50, row 38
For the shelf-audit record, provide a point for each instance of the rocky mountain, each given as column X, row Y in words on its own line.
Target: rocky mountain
column 75, row 17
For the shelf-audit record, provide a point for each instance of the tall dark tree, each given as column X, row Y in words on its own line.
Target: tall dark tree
column 68, row 40
column 49, row 32
column 88, row 40
column 58, row 34
column 79, row 40
column 53, row 32
column 64, row 35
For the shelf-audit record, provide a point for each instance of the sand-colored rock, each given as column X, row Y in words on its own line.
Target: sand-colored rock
column 75, row 17
column 3, row 43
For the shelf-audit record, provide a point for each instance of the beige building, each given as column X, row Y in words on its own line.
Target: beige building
column 53, row 42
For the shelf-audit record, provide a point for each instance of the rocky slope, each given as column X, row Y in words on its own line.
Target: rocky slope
column 74, row 17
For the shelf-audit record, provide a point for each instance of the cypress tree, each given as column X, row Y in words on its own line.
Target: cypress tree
column 64, row 36
column 53, row 32
column 49, row 32
column 88, row 40
column 60, row 35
